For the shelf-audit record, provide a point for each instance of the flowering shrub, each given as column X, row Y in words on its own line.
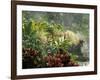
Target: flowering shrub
column 48, row 45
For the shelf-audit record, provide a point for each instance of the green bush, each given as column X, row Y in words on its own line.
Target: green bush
column 43, row 38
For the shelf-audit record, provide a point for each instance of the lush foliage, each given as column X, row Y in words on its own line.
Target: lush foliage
column 49, row 44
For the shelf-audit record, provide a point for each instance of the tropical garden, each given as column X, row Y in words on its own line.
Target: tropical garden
column 51, row 39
